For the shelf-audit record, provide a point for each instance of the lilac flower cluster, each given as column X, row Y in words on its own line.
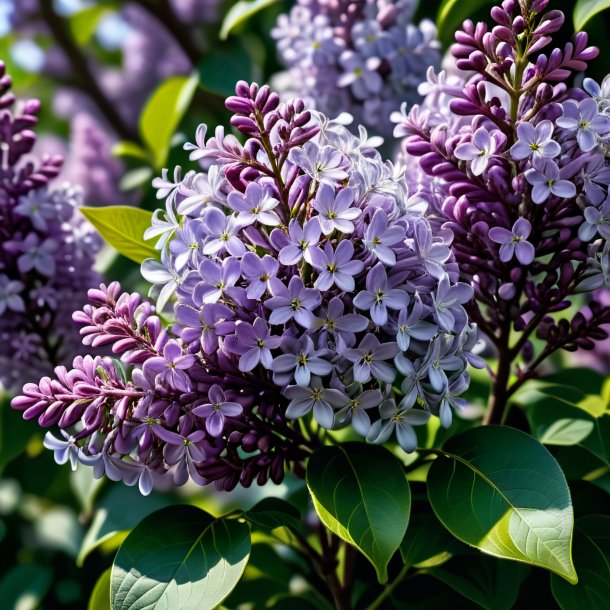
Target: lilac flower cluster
column 363, row 57
column 513, row 162
column 46, row 249
column 301, row 284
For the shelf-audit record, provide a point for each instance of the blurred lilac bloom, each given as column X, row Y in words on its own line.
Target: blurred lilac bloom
column 170, row 368
column 222, row 231
column 368, row 37
column 63, row 450
column 360, row 74
column 584, row 118
column 300, row 360
column 38, row 207
column 355, row 410
column 258, row 272
column 478, row 150
column 37, row 255
column 322, row 163
column 255, row 205
column 9, row 295
column 259, row 343
column 378, row 298
column 336, row 267
column 186, row 244
column 401, row 421
column 379, row 237
column 322, row 400
column 596, row 221
column 217, row 410
column 535, row 141
column 300, row 241
column 341, row 327
column 514, row 242
column 412, row 326
column 334, row 212
column 446, row 302
column 545, row 178
column 296, row 302
column 217, row 279
column 369, row 359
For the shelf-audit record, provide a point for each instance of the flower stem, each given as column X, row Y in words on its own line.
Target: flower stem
column 389, row 589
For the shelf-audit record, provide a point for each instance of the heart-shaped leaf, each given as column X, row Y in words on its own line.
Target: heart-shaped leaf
column 591, row 553
column 360, row 493
column 123, row 228
column 500, row 490
column 180, row 558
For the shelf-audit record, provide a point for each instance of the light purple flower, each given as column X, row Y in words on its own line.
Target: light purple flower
column 217, row 280
column 9, row 295
column 369, row 359
column 323, row 163
column 378, row 297
column 584, row 118
column 217, row 410
column 355, row 410
column 514, row 242
column 63, row 450
column 545, row 178
column 446, row 303
column 296, row 302
column 379, row 236
column 339, row 325
column 211, row 321
column 255, row 205
column 38, row 206
column 183, row 452
column 222, row 233
column 257, row 340
column 596, row 221
column 171, row 367
column 38, row 255
column 321, row 400
column 479, row 150
column 334, row 211
column 535, row 141
column 336, row 267
column 186, row 244
column 399, row 420
column 299, row 242
column 161, row 274
column 360, row 74
column 258, row 272
column 300, row 360
column 411, row 325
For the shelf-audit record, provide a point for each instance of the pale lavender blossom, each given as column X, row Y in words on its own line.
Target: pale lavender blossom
column 217, row 410
column 356, row 410
column 63, row 450
column 335, row 211
column 299, row 242
column 379, row 237
column 258, row 342
column 322, row 400
column 597, row 221
column 401, row 421
column 379, row 297
column 546, row 180
column 299, row 362
column 535, row 141
column 38, row 206
column 10, row 298
column 411, row 325
column 337, row 266
column 222, row 231
column 293, row 302
column 322, row 163
column 38, row 254
column 360, row 73
column 186, row 245
column 258, row 272
column 340, row 326
column 255, row 205
column 479, row 150
column 514, row 242
column 170, row 368
column 216, row 280
column 585, row 119
column 370, row 357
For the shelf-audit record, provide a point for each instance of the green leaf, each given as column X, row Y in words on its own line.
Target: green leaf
column 15, row 432
column 123, row 228
column 598, row 442
column 131, row 149
column 240, row 12
column 586, row 9
column 592, row 558
column 100, row 596
column 118, row 510
column 221, row 68
column 163, row 112
column 556, row 423
column 488, row 582
column 270, row 513
column 180, row 558
column 23, row 587
column 135, row 178
column 83, row 24
column 427, row 542
column 500, row 490
column 452, row 13
column 360, row 493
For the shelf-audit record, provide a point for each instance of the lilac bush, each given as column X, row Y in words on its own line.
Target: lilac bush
column 298, row 281
column 46, row 249
column 512, row 160
column 363, row 57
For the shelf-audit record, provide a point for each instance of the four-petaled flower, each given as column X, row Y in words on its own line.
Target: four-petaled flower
column 336, row 267
column 299, row 360
column 297, row 245
column 258, row 342
column 400, row 420
column 258, row 272
column 222, row 233
column 217, row 410
column 379, row 237
column 514, row 242
column 545, row 177
column 369, row 359
column 255, row 205
column 479, row 150
column 171, row 366
column 322, row 400
column 535, row 141
column 334, row 211
column 355, row 410
column 584, row 118
column 296, row 302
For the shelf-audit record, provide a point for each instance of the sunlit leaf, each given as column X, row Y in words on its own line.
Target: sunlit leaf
column 100, row 596
column 23, row 587
column 587, row 9
column 452, row 14
column 240, row 12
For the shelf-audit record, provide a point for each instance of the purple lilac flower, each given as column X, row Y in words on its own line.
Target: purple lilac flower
column 335, row 212
column 217, row 410
column 301, row 361
column 336, row 267
column 292, row 302
column 321, row 163
column 399, row 421
column 170, row 367
column 338, row 326
column 584, row 118
column 299, row 242
column 479, row 150
column 378, row 297
column 369, row 359
column 258, row 272
column 323, row 401
column 514, row 242
column 597, row 221
column 257, row 340
column 254, row 205
column 546, row 180
column 535, row 141
column 356, row 410
column 379, row 237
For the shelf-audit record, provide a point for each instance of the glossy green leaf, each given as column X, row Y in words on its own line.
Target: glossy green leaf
column 123, row 228
column 598, row 442
column 427, row 543
column 270, row 513
column 136, row 178
column 240, row 12
column 100, row 596
column 452, row 13
column 130, row 149
column 180, row 558
column 556, row 423
column 360, row 493
column 487, row 581
column 83, row 24
column 500, row 490
column 587, row 9
column 118, row 510
column 163, row 112
column 221, row 68
column 592, row 559
column 23, row 587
